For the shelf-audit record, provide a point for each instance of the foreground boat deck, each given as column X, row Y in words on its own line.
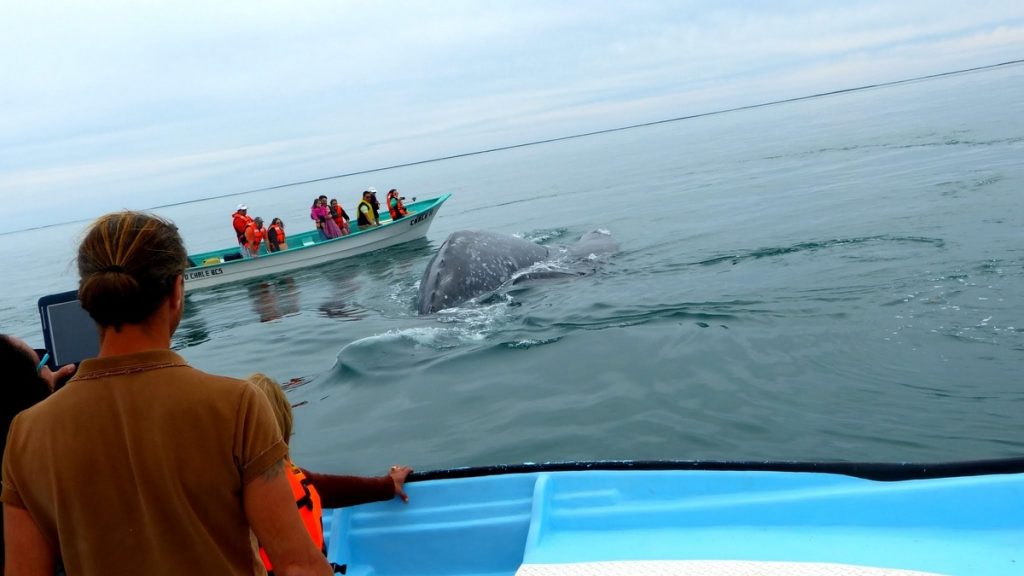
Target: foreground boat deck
column 687, row 522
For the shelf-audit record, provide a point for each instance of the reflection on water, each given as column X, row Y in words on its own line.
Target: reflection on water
column 274, row 299
column 341, row 310
column 295, row 383
column 343, row 300
column 193, row 329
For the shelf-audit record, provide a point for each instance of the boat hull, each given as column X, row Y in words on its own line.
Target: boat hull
column 645, row 520
column 306, row 250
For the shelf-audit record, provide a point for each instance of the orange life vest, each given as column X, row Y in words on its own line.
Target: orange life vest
column 308, row 501
column 240, row 222
column 279, row 232
column 258, row 234
column 398, row 210
column 337, row 215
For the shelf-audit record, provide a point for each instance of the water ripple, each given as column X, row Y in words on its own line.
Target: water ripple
column 813, row 246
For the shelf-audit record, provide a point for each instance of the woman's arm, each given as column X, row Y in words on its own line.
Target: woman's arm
column 28, row 551
column 270, row 509
column 340, row 491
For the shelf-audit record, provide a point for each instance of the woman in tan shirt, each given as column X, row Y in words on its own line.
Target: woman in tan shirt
column 141, row 463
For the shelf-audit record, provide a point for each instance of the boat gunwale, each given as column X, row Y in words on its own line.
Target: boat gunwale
column 880, row 471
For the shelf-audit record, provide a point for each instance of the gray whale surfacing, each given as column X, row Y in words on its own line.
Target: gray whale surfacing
column 474, row 262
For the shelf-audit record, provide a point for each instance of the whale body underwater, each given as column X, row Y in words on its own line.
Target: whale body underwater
column 471, row 263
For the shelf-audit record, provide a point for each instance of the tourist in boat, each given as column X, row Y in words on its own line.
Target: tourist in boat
column 340, row 217
column 365, row 214
column 395, row 206
column 313, row 492
column 141, row 462
column 255, row 233
column 276, row 237
column 27, row 381
column 321, row 214
column 240, row 220
column 331, row 228
column 316, row 214
column 375, row 203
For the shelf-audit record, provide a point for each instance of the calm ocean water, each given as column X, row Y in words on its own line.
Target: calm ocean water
column 838, row 278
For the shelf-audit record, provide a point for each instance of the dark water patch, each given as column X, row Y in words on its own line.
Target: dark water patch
column 990, row 267
column 941, row 392
column 982, row 334
column 935, row 141
column 815, row 246
column 531, row 343
column 987, row 181
column 235, row 305
column 602, row 316
column 820, row 151
column 918, row 296
column 845, row 292
column 957, row 141
column 342, row 311
column 955, row 188
column 190, row 333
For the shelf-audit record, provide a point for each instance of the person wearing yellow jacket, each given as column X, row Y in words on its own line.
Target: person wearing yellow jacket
column 365, row 214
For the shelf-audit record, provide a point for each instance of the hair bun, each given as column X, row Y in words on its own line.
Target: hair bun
column 126, row 266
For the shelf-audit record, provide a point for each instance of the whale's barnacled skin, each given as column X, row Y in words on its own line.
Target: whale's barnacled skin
column 471, row 263
column 475, row 262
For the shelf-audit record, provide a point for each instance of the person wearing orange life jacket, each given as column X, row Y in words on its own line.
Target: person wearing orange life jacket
column 275, row 236
column 395, row 206
column 340, row 217
column 312, row 491
column 240, row 221
column 310, row 510
column 254, row 234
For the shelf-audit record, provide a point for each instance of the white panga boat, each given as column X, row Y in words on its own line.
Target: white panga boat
column 307, row 249
column 693, row 518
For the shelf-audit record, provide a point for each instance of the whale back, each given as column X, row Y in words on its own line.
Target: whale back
column 473, row 262
column 594, row 244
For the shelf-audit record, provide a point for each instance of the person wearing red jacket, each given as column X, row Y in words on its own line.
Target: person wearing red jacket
column 255, row 233
column 340, row 216
column 240, row 220
column 395, row 206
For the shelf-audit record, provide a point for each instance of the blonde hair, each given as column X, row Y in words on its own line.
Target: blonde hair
column 278, row 401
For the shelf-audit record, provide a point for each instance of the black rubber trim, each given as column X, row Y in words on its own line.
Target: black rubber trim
column 883, row 471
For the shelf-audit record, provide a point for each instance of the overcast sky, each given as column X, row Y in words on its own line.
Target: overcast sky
column 108, row 104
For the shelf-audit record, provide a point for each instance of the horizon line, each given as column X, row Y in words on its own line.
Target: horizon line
column 570, row 137
column 620, row 128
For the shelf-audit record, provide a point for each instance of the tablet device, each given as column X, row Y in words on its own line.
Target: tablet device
column 69, row 333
